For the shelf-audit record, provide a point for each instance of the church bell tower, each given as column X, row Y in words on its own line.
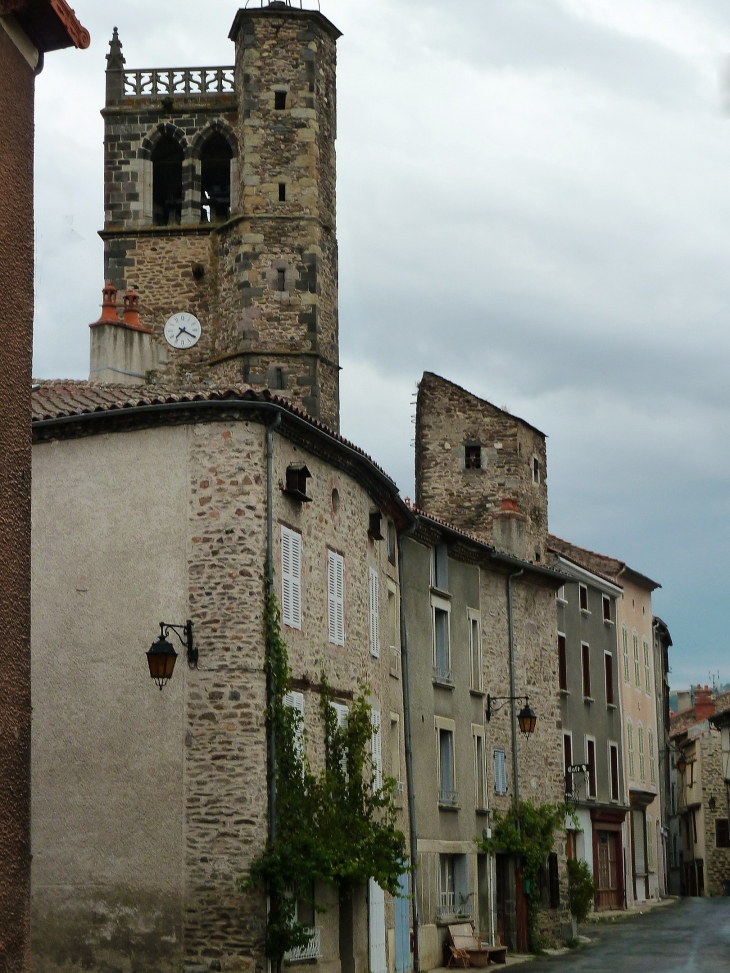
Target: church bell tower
column 220, row 204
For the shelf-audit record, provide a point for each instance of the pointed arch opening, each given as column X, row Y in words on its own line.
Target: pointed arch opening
column 215, row 179
column 167, row 181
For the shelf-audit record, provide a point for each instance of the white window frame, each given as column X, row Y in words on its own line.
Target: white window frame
column 499, row 761
column 581, row 588
column 613, row 745
column 481, row 799
column 606, row 652
column 374, row 612
column 637, row 663
column 444, row 605
column 335, row 597
column 393, row 631
column 395, row 761
column 441, row 724
column 640, row 749
column 630, row 751
column 609, row 620
column 296, row 701
column 291, row 577
column 473, row 615
column 560, row 595
column 625, row 652
column 588, row 738
column 569, row 734
column 585, row 645
column 647, row 666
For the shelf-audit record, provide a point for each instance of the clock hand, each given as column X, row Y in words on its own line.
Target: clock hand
column 185, row 331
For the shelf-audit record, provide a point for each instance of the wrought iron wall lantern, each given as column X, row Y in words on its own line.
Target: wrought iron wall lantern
column 681, row 762
column 526, row 717
column 162, row 656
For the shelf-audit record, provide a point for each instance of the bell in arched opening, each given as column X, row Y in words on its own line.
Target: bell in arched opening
column 167, row 182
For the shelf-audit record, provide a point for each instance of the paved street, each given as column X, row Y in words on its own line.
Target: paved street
column 690, row 937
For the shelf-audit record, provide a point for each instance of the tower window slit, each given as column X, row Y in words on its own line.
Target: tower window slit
column 280, row 100
column 281, row 282
column 282, row 192
column 215, row 182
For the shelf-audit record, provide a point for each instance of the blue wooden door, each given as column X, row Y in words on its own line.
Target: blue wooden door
column 403, row 927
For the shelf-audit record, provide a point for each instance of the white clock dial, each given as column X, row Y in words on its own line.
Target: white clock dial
column 182, row 330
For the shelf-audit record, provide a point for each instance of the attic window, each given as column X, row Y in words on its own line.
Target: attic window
column 473, row 457
column 296, row 483
column 280, row 100
column 374, row 531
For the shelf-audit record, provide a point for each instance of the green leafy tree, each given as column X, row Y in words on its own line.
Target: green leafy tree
column 582, row 888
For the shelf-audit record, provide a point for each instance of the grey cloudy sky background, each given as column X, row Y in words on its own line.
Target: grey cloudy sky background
column 534, row 201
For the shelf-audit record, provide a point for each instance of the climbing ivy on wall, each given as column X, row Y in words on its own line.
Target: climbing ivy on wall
column 528, row 832
column 332, row 824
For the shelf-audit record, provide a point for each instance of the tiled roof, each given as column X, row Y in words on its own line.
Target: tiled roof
column 68, row 399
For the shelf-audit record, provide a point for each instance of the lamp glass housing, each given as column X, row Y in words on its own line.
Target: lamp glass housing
column 681, row 763
column 161, row 659
column 527, row 720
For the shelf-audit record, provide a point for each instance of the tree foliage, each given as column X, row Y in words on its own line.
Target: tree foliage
column 582, row 888
column 332, row 824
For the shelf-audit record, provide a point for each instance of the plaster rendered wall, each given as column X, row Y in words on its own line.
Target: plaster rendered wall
column 109, row 563
column 16, row 335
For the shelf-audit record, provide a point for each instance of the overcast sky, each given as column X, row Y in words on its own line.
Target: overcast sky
column 534, row 202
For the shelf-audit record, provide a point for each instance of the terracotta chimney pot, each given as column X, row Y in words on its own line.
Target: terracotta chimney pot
column 108, row 306
column 131, row 312
column 510, row 505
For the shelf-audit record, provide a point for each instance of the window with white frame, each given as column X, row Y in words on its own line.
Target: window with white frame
column 295, row 701
column 475, row 649
column 336, row 597
column 625, row 652
column 377, row 749
column 647, row 667
column 441, row 639
column 374, row 611
column 613, row 770
column 500, row 772
column 480, row 767
column 583, row 597
column 606, row 603
column 591, row 761
column 291, row 577
column 652, row 763
column 341, row 714
column 395, row 762
column 560, row 595
column 447, row 793
column 393, row 629
column 637, row 667
column 640, row 743
column 630, row 748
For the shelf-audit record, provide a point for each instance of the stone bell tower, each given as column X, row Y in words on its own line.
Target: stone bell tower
column 220, row 202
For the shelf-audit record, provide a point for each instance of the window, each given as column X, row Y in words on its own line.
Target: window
column 374, row 612
column 215, row 179
column 535, row 470
column 583, row 597
column 562, row 663
column 568, row 762
column 649, row 843
column 652, row 764
column 393, row 629
column 591, row 761
column 336, row 597
column 722, row 833
column 630, row 748
column 282, row 192
column 447, row 780
column 625, row 649
column 392, row 542
column 297, row 475
column 647, row 667
column 395, row 748
column 440, row 567
column 613, row 767
column 642, row 764
column 374, row 525
column 295, row 701
column 586, row 668
column 341, row 714
column 454, row 897
column 279, row 100
column 377, row 749
column 500, row 772
column 560, row 595
column 281, row 281
column 475, row 650
column 608, row 664
column 441, row 647
column 480, row 769
column 637, row 670
column 694, row 826
column 473, row 457
column 167, row 182
column 291, row 578
column 606, row 602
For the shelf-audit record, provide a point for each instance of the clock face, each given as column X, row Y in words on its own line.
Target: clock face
column 182, row 330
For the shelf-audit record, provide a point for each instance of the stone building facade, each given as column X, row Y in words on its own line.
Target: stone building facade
column 148, row 805
column 220, row 202
column 27, row 32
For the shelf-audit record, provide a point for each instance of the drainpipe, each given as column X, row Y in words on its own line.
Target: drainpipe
column 269, row 591
column 409, row 749
column 512, row 682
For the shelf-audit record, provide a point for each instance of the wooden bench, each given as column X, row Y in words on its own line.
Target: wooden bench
column 468, row 950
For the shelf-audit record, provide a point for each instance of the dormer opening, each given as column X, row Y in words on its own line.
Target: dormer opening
column 167, row 182
column 215, row 179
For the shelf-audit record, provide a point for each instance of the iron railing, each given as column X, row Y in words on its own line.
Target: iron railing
column 149, row 82
column 313, row 949
column 449, row 798
column 442, row 674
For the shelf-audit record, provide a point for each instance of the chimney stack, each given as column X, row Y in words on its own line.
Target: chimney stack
column 704, row 703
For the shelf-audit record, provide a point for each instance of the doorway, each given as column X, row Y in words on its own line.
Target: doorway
column 608, row 891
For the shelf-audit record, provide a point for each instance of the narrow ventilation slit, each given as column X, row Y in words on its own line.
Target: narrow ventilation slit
column 282, row 192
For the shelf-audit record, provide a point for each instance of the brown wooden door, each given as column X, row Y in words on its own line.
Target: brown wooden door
column 608, row 892
column 521, row 909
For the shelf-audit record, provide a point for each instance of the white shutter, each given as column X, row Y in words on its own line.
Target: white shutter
column 373, row 593
column 377, row 745
column 342, row 713
column 376, row 928
column 296, row 701
column 336, row 597
column 291, row 578
column 500, row 772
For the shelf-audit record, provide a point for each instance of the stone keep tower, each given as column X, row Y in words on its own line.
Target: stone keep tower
column 220, row 202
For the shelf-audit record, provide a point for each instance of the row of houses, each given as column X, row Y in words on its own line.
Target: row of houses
column 205, row 446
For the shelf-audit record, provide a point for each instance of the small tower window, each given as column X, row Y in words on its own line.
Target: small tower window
column 535, row 470
column 473, row 457
column 215, row 182
column 281, row 280
column 280, row 100
column 282, row 192
column 167, row 191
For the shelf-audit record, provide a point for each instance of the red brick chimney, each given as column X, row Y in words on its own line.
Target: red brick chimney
column 704, row 703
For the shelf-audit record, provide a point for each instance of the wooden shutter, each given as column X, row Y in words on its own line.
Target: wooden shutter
column 342, row 713
column 296, row 701
column 500, row 772
column 373, row 598
column 336, row 597
column 291, row 578
column 614, row 773
column 377, row 745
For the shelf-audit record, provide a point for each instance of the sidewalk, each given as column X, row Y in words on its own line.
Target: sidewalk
column 637, row 909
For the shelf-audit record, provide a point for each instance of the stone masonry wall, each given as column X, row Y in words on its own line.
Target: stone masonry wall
column 448, row 418
column 226, row 799
column 717, row 860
